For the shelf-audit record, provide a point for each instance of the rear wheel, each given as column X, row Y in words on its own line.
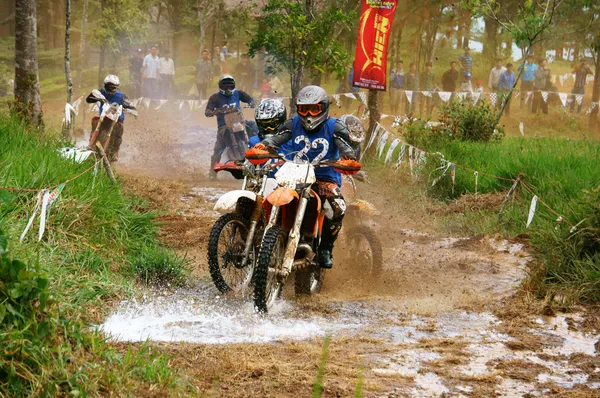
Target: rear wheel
column 267, row 286
column 226, row 251
column 366, row 250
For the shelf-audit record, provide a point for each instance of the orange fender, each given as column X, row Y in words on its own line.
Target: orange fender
column 282, row 196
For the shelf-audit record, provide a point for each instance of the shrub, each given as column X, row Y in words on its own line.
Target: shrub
column 467, row 122
column 156, row 265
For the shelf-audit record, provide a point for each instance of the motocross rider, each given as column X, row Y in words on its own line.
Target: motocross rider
column 227, row 96
column 113, row 96
column 319, row 137
column 269, row 115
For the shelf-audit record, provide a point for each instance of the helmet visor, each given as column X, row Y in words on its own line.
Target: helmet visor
column 269, row 125
column 310, row 109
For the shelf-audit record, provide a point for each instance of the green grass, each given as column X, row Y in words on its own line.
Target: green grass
column 64, row 284
column 563, row 173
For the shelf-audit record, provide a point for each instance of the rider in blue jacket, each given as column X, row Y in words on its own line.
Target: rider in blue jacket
column 227, row 96
column 113, row 96
column 314, row 135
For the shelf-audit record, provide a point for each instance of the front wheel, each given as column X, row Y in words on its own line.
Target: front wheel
column 267, row 286
column 226, row 253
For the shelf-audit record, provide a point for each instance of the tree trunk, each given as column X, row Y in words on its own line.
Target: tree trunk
column 101, row 66
column 374, row 115
column 68, row 51
column 81, row 64
column 213, row 38
column 27, row 85
column 490, row 46
column 595, row 94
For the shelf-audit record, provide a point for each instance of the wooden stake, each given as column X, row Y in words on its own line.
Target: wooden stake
column 109, row 171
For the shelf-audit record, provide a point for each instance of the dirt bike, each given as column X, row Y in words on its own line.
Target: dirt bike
column 235, row 237
column 293, row 232
column 358, row 233
column 108, row 119
column 238, row 131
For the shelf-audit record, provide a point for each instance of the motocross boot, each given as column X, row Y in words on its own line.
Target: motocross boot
column 331, row 230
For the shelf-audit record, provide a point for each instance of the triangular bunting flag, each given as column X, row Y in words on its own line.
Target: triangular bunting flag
column 191, row 104
column 493, row 99
column 363, row 97
column 384, row 115
column 390, row 152
column 426, row 93
column 147, row 102
column 400, row 156
column 579, row 98
column 350, row 95
column 563, row 98
column 461, row 96
column 445, row 95
column 544, row 96
column 522, row 129
column 181, row 103
column 162, row 102
column 531, row 211
column 381, row 143
column 373, row 136
column 529, row 94
column 475, row 97
column 336, row 97
column 409, row 95
column 561, row 79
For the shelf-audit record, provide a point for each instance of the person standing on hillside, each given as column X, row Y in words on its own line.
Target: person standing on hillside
column 427, row 85
column 540, row 83
column 396, row 87
column 494, row 78
column 166, row 74
column 449, row 78
column 466, row 63
column 245, row 73
column 412, row 84
column 527, row 78
column 506, row 82
column 135, row 73
column 581, row 73
column 203, row 74
column 150, row 68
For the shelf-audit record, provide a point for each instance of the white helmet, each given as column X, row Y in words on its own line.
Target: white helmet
column 111, row 83
column 355, row 127
column 312, row 107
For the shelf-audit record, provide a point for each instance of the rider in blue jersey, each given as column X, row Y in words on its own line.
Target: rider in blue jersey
column 314, row 135
column 113, row 96
column 227, row 96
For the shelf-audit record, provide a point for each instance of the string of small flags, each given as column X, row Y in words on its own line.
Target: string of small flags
column 418, row 158
column 45, row 198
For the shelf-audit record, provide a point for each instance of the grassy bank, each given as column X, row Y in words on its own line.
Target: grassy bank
column 98, row 243
column 565, row 175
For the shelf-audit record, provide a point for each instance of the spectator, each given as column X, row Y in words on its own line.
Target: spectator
column 466, row 85
column 527, row 79
column 166, row 73
column 396, row 86
column 265, row 89
column 203, row 74
column 540, row 83
column 150, row 68
column 427, row 85
column 224, row 52
column 494, row 78
column 581, row 73
column 506, row 82
column 276, row 86
column 466, row 62
column 412, row 84
column 244, row 73
column 479, row 87
column 135, row 73
column 449, row 78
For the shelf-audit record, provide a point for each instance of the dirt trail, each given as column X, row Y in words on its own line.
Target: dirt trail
column 441, row 322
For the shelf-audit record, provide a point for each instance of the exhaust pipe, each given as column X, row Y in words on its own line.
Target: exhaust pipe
column 308, row 255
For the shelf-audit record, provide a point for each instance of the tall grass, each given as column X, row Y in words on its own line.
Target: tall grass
column 60, row 286
column 565, row 175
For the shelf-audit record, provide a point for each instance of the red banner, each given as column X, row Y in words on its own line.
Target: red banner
column 370, row 63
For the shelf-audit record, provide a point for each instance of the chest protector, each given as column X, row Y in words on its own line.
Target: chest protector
column 317, row 145
column 116, row 98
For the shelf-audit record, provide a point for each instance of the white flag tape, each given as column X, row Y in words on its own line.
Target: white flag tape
column 390, row 152
column 532, row 210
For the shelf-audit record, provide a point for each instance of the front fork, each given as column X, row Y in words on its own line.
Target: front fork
column 294, row 236
column 254, row 219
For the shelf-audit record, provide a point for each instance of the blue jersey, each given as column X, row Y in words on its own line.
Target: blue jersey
column 317, row 145
column 116, row 98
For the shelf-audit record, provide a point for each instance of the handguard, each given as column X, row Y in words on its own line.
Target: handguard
column 347, row 166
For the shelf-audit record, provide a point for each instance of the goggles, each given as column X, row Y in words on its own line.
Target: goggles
column 309, row 109
column 269, row 124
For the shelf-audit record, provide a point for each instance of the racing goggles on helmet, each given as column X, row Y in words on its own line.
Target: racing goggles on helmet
column 269, row 124
column 310, row 109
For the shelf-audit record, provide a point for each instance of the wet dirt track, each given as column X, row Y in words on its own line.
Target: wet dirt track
column 439, row 323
